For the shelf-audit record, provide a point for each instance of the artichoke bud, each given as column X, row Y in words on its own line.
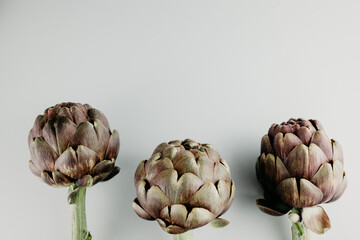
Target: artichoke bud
column 72, row 143
column 183, row 185
column 300, row 167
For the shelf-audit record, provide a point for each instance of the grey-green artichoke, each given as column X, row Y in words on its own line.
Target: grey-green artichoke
column 299, row 168
column 72, row 143
column 184, row 185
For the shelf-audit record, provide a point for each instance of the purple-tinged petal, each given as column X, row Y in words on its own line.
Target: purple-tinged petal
column 187, row 185
column 85, row 181
column 95, row 114
column 316, row 219
column 317, row 158
column 341, row 189
column 281, row 171
column 172, row 229
column 297, row 162
column 103, row 168
column 64, row 112
column 49, row 135
column 33, row 169
column 266, row 145
column 198, row 217
column 155, row 201
column 288, row 192
column 78, row 115
column 113, row 146
column 310, row 195
column 85, row 135
column 60, row 179
column 43, row 155
column 305, row 134
column 272, row 208
column 65, row 130
column 322, row 140
column 317, row 124
column 160, row 147
column 337, row 151
column 38, row 126
column 284, row 144
column 47, row 179
column 140, row 211
column 103, row 136
column 324, row 180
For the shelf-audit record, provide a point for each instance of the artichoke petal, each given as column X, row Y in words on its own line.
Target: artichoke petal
column 60, row 179
column 272, row 208
column 269, row 170
column 214, row 156
column 49, row 135
column 337, row 151
column 154, row 168
column 207, row 197
column 65, row 112
column 316, row 219
column 341, row 189
column 103, row 168
column 112, row 174
column 140, row 211
column 172, row 229
column 198, row 217
column 187, row 186
column 288, row 192
column 178, row 214
column 38, row 126
column 310, row 195
column 297, row 162
column 155, row 201
column 322, row 140
column 305, row 134
column 43, row 155
column 85, row 181
column 281, row 171
column 113, row 146
column 266, row 145
column 186, row 163
column 206, row 168
column 85, row 135
column 219, row 223
column 140, row 172
column 95, row 114
column 284, row 144
column 160, row 147
column 221, row 171
column 317, row 158
column 76, row 164
column 64, row 129
column 323, row 179
column 167, row 182
column 231, row 198
column 47, row 179
column 33, row 169
column 78, row 115
column 103, row 136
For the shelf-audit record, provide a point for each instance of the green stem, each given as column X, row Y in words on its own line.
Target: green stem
column 299, row 231
column 77, row 203
column 184, row 236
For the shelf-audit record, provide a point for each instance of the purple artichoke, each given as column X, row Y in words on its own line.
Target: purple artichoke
column 299, row 168
column 72, row 144
column 184, row 185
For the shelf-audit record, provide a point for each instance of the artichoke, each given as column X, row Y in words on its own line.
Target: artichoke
column 72, row 143
column 184, row 185
column 299, row 168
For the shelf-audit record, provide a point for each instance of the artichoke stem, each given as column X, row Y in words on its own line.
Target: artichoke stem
column 79, row 228
column 300, row 231
column 184, row 236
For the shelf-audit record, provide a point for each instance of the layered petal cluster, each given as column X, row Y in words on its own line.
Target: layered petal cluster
column 72, row 143
column 299, row 166
column 184, row 185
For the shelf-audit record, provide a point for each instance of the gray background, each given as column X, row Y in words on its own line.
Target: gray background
column 216, row 71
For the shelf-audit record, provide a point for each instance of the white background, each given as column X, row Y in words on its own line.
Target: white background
column 216, row 71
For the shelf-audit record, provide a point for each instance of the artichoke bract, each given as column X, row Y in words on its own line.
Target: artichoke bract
column 183, row 185
column 299, row 168
column 72, row 143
